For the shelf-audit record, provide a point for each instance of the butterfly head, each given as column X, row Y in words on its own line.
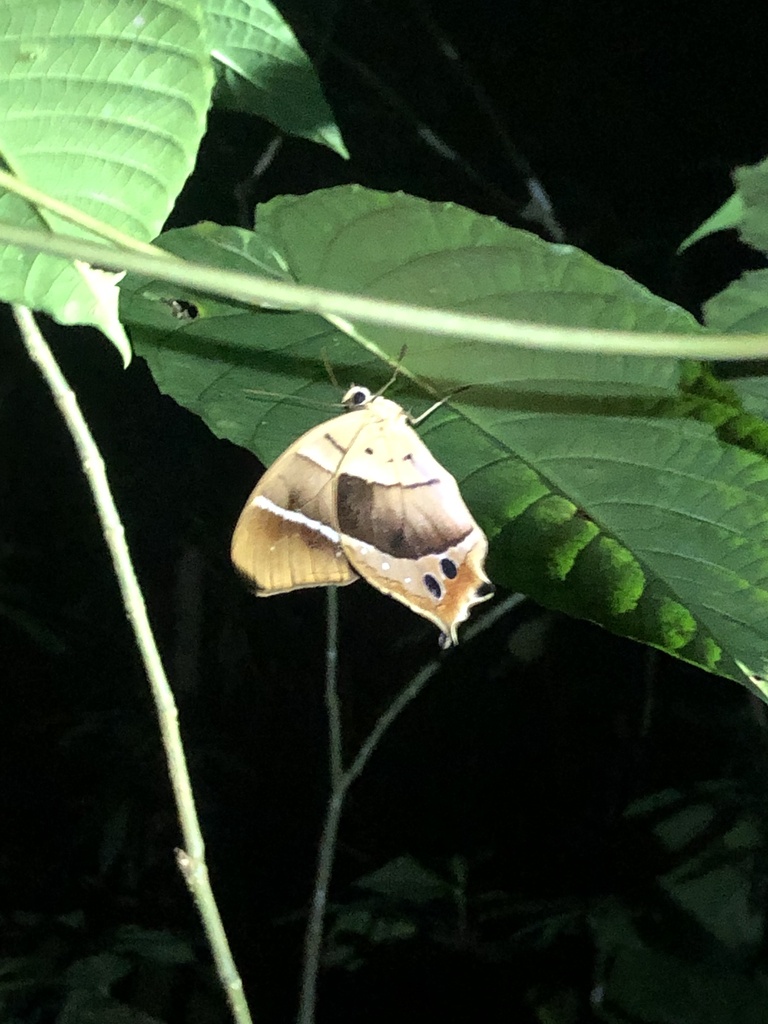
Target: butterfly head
column 356, row 397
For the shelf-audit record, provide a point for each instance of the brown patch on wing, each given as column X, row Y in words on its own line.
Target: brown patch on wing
column 276, row 554
column 402, row 521
column 300, row 485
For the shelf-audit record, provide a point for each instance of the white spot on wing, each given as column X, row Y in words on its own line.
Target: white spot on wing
column 385, row 567
column 296, row 517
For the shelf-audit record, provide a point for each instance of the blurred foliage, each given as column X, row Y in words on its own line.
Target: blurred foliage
column 686, row 945
column 67, row 970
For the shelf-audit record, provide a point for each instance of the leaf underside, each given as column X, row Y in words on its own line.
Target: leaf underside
column 102, row 105
column 629, row 491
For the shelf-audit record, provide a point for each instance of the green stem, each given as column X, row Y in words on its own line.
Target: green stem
column 313, row 936
column 191, row 859
column 339, row 307
column 43, row 201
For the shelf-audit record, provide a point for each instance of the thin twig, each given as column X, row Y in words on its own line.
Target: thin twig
column 540, row 209
column 244, row 190
column 343, row 779
column 326, row 851
column 419, row 681
column 335, row 749
column 191, row 859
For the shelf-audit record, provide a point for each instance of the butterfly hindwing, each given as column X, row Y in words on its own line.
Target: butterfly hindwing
column 285, row 538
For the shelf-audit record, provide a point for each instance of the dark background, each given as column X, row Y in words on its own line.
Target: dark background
column 524, row 753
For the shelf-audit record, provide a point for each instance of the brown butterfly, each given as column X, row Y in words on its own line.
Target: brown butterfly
column 362, row 495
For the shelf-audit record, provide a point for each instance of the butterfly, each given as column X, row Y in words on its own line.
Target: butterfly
column 361, row 495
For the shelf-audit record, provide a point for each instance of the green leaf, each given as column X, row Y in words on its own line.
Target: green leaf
column 742, row 306
column 752, row 186
column 159, row 946
column 746, row 209
column 689, row 823
column 262, row 70
column 630, row 491
column 651, row 985
column 97, row 972
column 753, row 390
column 645, row 983
column 730, row 215
column 83, row 1006
column 102, row 105
column 405, row 879
column 722, row 900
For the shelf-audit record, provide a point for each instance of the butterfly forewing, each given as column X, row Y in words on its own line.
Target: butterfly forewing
column 286, row 537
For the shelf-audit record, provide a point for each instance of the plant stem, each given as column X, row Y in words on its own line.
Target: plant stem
column 313, row 936
column 341, row 307
column 84, row 220
column 342, row 779
column 335, row 748
column 191, row 859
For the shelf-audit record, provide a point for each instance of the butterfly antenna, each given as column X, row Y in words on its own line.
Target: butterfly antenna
column 433, row 408
column 393, row 378
column 329, row 371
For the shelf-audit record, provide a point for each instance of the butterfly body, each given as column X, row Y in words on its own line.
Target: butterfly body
column 362, row 495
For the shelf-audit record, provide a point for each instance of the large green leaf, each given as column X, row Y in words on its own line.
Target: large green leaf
column 608, row 485
column 262, row 69
column 102, row 105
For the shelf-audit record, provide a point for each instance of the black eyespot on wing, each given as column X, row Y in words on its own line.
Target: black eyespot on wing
column 369, row 451
column 485, row 590
column 408, row 458
column 433, row 586
column 449, row 568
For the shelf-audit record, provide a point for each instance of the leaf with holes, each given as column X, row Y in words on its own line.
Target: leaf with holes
column 102, row 105
column 633, row 492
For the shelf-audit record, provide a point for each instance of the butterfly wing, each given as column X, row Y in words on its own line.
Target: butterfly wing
column 404, row 525
column 286, row 537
